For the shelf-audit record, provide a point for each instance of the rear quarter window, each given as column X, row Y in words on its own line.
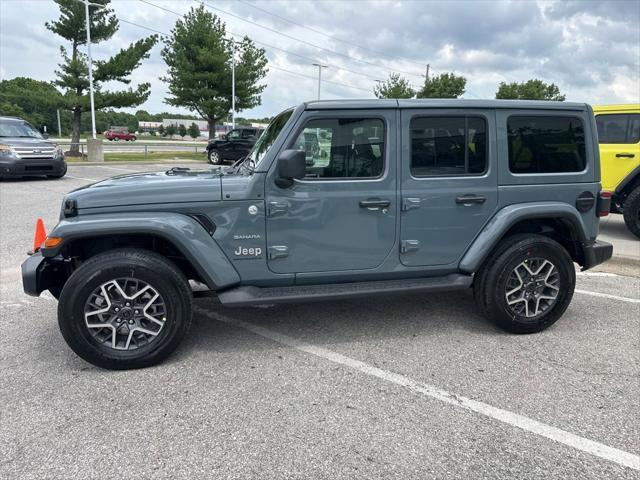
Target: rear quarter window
column 546, row 144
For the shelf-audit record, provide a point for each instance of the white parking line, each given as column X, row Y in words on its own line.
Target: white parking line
column 82, row 178
column 606, row 295
column 597, row 449
column 115, row 168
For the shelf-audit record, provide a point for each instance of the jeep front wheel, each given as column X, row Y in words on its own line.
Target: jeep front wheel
column 527, row 284
column 631, row 212
column 125, row 309
column 214, row 157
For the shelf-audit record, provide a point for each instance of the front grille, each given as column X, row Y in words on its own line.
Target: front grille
column 35, row 153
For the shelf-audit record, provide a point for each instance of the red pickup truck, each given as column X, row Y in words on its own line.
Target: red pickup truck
column 116, row 135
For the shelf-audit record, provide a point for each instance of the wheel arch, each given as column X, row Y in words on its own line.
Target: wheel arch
column 179, row 237
column 558, row 221
column 630, row 183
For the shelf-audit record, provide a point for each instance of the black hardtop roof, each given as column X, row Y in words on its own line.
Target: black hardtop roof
column 441, row 103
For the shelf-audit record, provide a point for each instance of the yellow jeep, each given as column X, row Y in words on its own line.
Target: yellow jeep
column 619, row 137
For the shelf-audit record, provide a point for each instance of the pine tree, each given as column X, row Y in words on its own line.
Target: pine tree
column 199, row 58
column 73, row 76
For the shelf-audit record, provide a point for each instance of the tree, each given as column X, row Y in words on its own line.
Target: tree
column 445, row 85
column 161, row 130
column 394, row 87
column 194, row 130
column 72, row 75
column 170, row 130
column 182, row 130
column 533, row 89
column 32, row 100
column 199, row 56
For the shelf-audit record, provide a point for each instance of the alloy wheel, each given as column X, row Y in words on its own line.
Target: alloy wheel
column 125, row 314
column 532, row 288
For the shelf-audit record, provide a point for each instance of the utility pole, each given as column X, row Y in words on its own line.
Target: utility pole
column 320, row 67
column 93, row 107
column 427, row 75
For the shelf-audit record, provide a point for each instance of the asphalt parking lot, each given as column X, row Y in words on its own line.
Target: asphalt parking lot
column 414, row 386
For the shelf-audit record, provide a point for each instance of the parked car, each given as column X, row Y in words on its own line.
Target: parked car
column 619, row 138
column 25, row 152
column 421, row 196
column 114, row 134
column 233, row 145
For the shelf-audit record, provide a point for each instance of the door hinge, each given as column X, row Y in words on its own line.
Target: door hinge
column 410, row 204
column 278, row 251
column 407, row 246
column 275, row 208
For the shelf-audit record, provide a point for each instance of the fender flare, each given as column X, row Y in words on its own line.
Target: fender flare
column 630, row 178
column 507, row 217
column 182, row 231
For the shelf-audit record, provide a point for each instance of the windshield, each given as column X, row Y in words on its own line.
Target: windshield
column 267, row 138
column 17, row 128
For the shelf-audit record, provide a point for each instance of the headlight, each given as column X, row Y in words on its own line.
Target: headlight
column 58, row 152
column 6, row 150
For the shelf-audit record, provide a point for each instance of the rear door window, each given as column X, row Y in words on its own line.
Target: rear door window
column 618, row 128
column 444, row 146
column 546, row 144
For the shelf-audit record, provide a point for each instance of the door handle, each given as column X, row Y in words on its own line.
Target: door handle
column 374, row 204
column 625, row 155
column 469, row 199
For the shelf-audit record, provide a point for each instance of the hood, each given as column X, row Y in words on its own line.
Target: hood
column 171, row 186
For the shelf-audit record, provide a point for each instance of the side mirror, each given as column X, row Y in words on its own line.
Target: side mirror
column 291, row 165
column 45, row 135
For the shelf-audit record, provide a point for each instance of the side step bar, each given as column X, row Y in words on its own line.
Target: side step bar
column 308, row 293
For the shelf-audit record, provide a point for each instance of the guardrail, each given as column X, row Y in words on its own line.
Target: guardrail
column 132, row 147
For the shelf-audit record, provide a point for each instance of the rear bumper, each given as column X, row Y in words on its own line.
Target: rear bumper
column 596, row 253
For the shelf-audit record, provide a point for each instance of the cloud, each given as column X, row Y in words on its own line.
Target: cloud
column 590, row 49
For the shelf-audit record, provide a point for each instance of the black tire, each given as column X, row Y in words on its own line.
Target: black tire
column 490, row 283
column 61, row 174
column 631, row 212
column 214, row 157
column 148, row 267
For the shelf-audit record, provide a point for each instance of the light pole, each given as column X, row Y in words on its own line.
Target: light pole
column 233, row 80
column 93, row 106
column 320, row 67
column 233, row 84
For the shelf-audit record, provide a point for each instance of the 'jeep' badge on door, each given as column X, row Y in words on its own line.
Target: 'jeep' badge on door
column 247, row 252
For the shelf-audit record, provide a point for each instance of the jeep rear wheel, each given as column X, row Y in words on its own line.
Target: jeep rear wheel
column 631, row 212
column 214, row 157
column 125, row 309
column 527, row 284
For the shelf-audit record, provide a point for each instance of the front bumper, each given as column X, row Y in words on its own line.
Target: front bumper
column 32, row 269
column 26, row 167
column 40, row 273
column 596, row 253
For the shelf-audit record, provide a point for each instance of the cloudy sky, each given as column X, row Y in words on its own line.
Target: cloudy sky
column 590, row 49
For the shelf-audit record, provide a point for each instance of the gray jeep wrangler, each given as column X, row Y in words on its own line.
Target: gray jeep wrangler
column 401, row 196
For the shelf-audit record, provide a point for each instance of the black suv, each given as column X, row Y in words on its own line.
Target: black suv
column 232, row 146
